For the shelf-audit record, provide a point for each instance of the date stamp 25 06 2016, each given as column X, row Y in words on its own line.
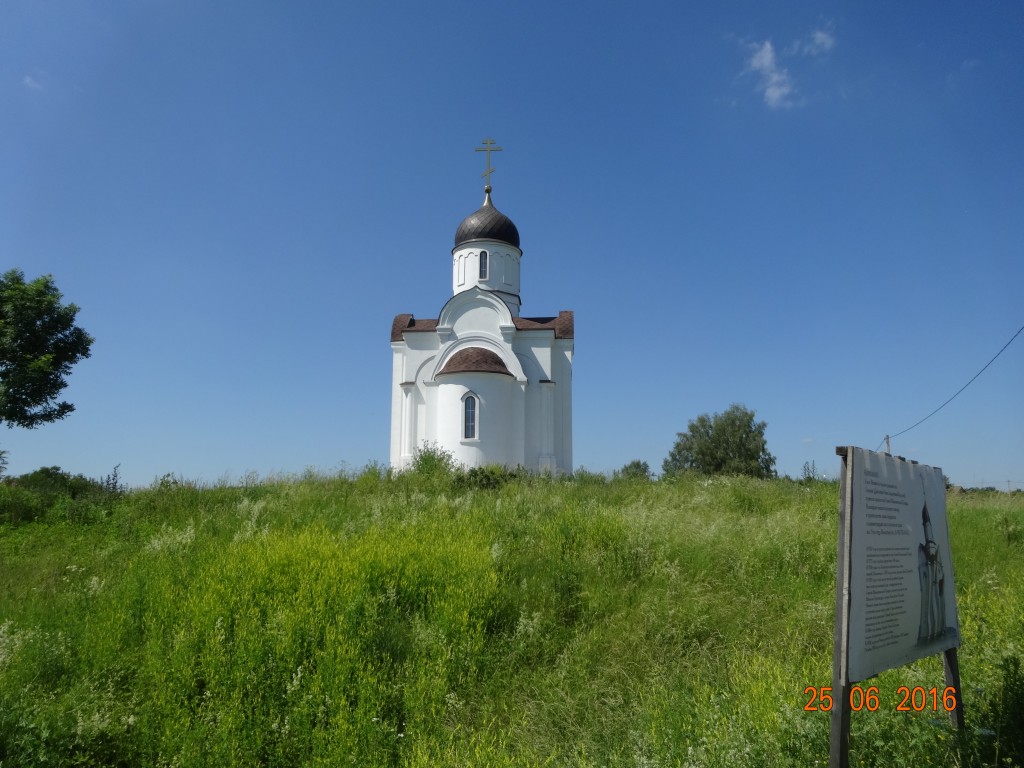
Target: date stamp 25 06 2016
column 907, row 699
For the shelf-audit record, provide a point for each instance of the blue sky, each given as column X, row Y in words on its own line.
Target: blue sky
column 812, row 209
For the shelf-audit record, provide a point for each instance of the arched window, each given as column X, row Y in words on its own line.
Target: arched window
column 469, row 418
column 483, row 265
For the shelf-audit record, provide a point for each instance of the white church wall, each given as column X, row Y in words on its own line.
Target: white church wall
column 426, row 417
column 397, row 362
column 548, row 418
column 527, row 346
column 487, row 309
column 409, row 408
column 531, row 425
column 478, row 321
column 524, row 430
column 499, row 418
column 562, row 371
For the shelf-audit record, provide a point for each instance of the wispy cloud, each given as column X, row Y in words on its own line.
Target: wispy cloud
column 31, row 83
column 775, row 81
column 818, row 43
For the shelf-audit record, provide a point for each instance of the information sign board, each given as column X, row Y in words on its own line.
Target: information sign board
column 901, row 597
column 895, row 601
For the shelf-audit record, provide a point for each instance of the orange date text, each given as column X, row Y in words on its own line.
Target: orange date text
column 916, row 699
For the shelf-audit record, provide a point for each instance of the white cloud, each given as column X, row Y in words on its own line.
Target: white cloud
column 822, row 41
column 818, row 43
column 30, row 82
column 776, row 84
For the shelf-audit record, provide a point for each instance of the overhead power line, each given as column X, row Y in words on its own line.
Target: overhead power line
column 965, row 386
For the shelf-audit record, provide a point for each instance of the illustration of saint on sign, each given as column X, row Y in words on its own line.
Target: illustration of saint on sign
column 930, row 573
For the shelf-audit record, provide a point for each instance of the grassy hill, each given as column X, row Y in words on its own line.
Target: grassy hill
column 440, row 619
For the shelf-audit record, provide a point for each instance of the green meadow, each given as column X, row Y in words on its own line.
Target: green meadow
column 439, row 618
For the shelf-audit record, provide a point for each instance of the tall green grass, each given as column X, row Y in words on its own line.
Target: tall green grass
column 435, row 619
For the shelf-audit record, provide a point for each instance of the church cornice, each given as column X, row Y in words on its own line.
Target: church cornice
column 563, row 326
column 491, row 243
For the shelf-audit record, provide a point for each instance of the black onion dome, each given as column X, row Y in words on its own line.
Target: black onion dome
column 487, row 224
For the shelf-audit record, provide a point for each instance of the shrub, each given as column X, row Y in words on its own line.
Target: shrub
column 18, row 505
column 111, row 484
column 635, row 470
column 489, row 477
column 52, row 491
column 584, row 475
column 431, row 460
column 51, row 482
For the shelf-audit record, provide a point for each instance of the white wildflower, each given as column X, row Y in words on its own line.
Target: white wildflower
column 296, row 680
column 168, row 538
column 250, row 512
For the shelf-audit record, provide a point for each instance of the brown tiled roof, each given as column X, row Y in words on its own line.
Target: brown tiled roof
column 563, row 325
column 407, row 322
column 475, row 360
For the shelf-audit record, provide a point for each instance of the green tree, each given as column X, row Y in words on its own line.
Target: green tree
column 729, row 443
column 635, row 470
column 39, row 342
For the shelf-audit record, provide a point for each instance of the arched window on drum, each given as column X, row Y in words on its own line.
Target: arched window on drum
column 470, row 416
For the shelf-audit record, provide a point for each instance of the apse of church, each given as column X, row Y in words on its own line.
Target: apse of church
column 480, row 380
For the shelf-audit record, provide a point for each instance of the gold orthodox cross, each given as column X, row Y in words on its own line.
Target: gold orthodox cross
column 488, row 148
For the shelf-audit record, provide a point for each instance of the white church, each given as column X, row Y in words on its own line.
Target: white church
column 480, row 380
